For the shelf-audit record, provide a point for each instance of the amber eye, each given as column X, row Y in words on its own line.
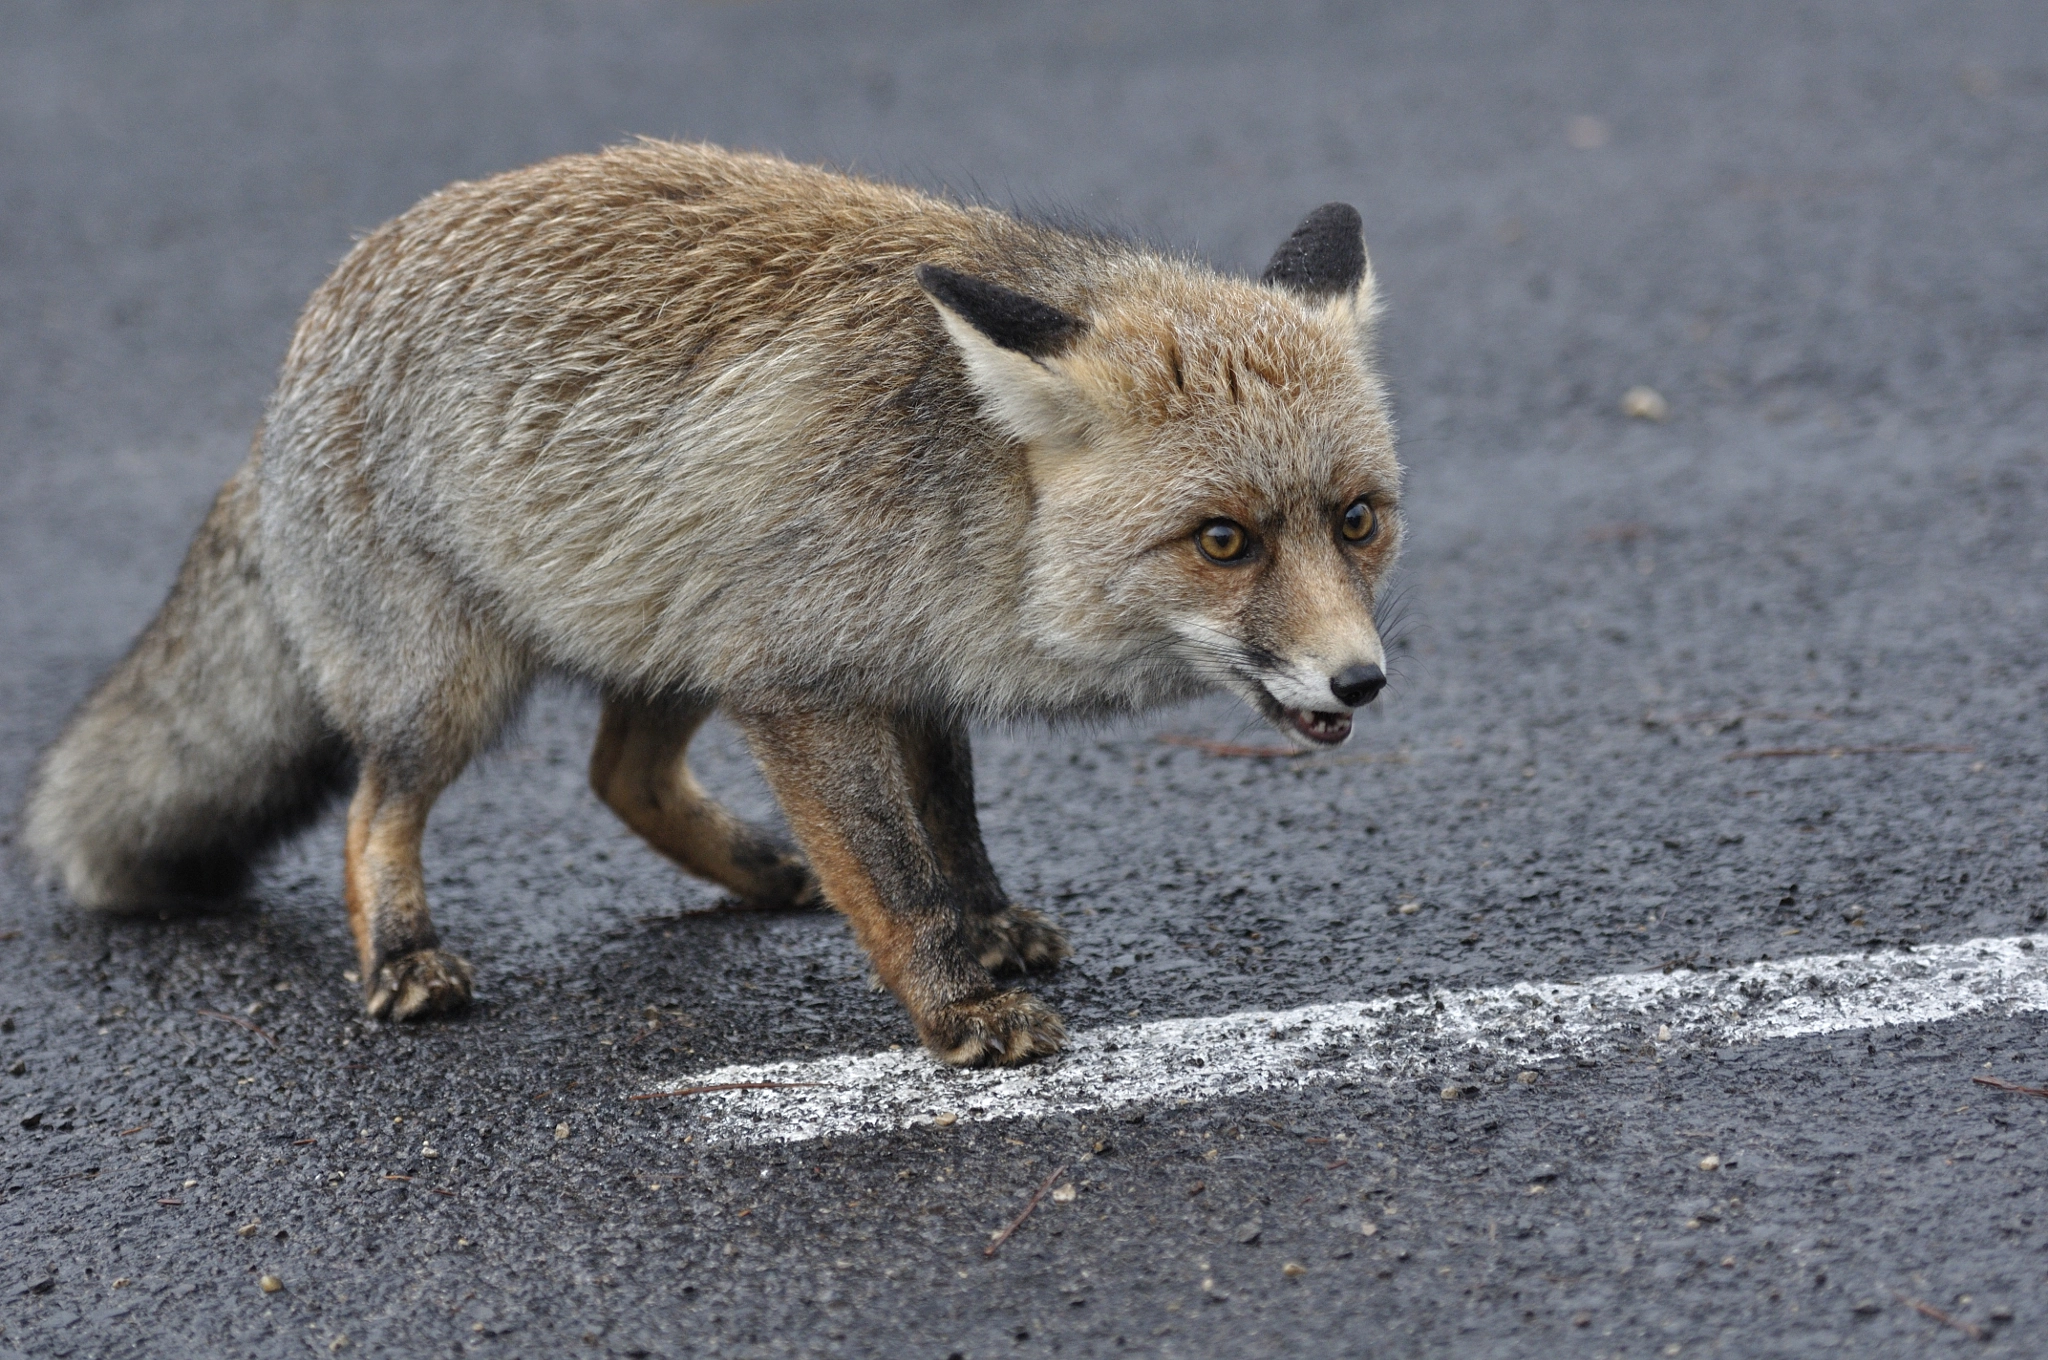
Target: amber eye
column 1223, row 540
column 1359, row 523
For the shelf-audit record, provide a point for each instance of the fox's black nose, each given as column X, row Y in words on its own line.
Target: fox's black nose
column 1358, row 685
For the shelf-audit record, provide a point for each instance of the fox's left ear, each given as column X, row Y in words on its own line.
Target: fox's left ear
column 1324, row 263
column 1011, row 343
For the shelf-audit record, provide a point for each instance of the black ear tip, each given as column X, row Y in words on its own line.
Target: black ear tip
column 947, row 285
column 1010, row 319
column 1338, row 217
column 1325, row 255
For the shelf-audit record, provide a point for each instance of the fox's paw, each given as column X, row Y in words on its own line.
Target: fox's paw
column 418, row 985
column 999, row 1030
column 791, row 884
column 1015, row 940
column 776, row 879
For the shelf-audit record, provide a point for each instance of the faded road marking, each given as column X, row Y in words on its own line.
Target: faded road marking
column 1525, row 1025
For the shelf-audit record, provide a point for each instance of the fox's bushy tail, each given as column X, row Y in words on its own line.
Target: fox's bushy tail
column 201, row 750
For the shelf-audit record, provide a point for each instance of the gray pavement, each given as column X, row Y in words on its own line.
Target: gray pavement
column 1816, row 229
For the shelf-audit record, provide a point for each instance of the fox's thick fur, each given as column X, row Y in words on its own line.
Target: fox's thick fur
column 718, row 431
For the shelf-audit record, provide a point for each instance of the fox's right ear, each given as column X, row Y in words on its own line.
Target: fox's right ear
column 1011, row 343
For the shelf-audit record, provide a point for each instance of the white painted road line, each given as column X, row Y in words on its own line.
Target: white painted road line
column 1522, row 1026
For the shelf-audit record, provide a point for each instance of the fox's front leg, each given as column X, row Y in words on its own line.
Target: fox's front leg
column 1005, row 937
column 406, row 976
column 849, row 784
column 638, row 768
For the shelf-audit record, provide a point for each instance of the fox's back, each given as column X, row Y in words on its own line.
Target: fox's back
column 659, row 265
column 609, row 387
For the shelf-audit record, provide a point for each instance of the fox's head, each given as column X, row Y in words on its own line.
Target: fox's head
column 1215, row 497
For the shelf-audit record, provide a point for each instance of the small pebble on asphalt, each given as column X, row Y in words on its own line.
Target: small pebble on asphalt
column 271, row 1284
column 561, row 1130
column 1644, row 403
column 1710, row 1163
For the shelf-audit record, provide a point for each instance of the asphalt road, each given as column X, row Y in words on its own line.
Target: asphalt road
column 1816, row 229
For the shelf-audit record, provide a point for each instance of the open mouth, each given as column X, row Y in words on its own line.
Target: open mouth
column 1316, row 726
column 1324, row 729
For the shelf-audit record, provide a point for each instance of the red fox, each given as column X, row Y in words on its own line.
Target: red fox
column 707, row 431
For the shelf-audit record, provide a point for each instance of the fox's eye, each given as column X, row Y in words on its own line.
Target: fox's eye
column 1222, row 540
column 1359, row 523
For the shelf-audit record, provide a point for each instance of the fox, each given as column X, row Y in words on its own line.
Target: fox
column 854, row 465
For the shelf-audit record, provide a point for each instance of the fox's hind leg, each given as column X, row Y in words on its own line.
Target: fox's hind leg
column 1006, row 938
column 637, row 767
column 851, row 786
column 439, row 692
column 406, row 974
